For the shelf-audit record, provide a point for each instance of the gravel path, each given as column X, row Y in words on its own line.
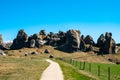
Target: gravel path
column 53, row 72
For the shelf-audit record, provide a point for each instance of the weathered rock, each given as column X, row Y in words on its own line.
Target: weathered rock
column 47, row 51
column 38, row 43
column 42, row 33
column 26, row 54
column 82, row 37
column 2, row 46
column 61, row 38
column 51, row 56
column 1, row 40
column 101, row 40
column 35, row 41
column 61, row 34
column 110, row 45
column 32, row 43
column 89, row 40
column 20, row 41
column 2, row 53
column 33, row 53
column 82, row 44
column 72, row 41
column 52, row 39
column 90, row 48
column 107, row 44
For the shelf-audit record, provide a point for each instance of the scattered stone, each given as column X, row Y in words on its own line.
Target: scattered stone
column 110, row 60
column 51, row 56
column 33, row 53
column 2, row 53
column 47, row 51
column 118, row 62
column 26, row 54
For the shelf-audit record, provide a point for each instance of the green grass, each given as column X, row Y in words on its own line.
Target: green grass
column 71, row 73
column 26, row 68
column 114, row 69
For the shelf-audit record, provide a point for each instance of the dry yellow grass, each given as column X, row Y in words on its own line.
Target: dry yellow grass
column 25, row 68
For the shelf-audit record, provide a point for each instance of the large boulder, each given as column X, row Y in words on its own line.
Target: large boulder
column 72, row 43
column 1, row 40
column 89, row 40
column 32, row 43
column 52, row 39
column 42, row 33
column 90, row 48
column 2, row 53
column 82, row 44
column 101, row 40
column 20, row 41
column 110, row 44
column 2, row 46
column 62, row 38
column 35, row 40
column 107, row 44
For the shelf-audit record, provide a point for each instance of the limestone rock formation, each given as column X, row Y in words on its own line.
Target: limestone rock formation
column 110, row 44
column 89, row 40
column 35, row 40
column 101, row 40
column 1, row 40
column 82, row 44
column 72, row 41
column 20, row 41
column 107, row 44
column 2, row 45
column 32, row 43
column 54, row 39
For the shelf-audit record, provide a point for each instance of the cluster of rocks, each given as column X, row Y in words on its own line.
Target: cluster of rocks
column 106, row 43
column 1, row 43
column 57, row 39
column 23, row 40
column 31, row 53
column 70, row 41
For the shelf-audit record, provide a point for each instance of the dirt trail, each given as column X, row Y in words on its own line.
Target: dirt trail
column 53, row 72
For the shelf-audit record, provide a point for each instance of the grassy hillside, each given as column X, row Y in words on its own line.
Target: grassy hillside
column 101, row 70
column 17, row 66
column 29, row 68
column 71, row 73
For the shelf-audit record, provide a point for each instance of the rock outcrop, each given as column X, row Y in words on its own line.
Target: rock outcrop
column 23, row 40
column 72, row 41
column 35, row 41
column 107, row 44
column 89, row 40
column 2, row 46
column 82, row 44
column 20, row 41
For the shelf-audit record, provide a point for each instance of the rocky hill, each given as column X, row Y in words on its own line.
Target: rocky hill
column 70, row 41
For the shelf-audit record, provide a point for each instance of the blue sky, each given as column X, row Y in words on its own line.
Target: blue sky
column 89, row 16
